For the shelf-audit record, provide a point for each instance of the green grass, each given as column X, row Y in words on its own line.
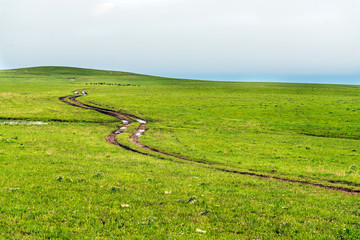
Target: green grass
column 64, row 181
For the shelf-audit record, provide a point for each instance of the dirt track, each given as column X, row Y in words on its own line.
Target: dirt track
column 128, row 119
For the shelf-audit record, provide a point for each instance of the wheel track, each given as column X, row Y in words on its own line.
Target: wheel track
column 127, row 119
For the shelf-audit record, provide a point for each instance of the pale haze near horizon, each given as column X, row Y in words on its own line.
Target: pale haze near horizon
column 209, row 39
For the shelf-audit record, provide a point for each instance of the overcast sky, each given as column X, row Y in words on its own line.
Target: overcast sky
column 184, row 38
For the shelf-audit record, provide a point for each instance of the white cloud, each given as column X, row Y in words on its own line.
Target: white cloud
column 103, row 8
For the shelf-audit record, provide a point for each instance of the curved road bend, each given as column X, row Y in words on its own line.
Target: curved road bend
column 127, row 119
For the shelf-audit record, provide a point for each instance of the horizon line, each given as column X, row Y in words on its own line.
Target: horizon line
column 242, row 77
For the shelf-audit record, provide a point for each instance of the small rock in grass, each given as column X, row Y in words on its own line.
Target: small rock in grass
column 166, row 192
column 13, row 189
column 124, row 205
column 200, row 231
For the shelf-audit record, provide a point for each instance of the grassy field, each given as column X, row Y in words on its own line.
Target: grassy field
column 62, row 180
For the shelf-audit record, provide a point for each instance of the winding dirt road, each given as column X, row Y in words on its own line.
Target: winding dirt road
column 128, row 119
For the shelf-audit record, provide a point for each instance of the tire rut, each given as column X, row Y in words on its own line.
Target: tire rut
column 128, row 119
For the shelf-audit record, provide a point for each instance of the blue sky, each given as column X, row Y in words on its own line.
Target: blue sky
column 203, row 39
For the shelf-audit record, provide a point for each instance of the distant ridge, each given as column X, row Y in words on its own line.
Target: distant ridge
column 310, row 79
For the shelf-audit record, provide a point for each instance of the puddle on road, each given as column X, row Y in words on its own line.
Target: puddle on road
column 140, row 121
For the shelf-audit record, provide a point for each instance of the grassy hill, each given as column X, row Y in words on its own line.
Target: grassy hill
column 63, row 180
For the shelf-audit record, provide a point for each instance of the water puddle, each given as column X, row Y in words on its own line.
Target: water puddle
column 141, row 121
column 23, row 123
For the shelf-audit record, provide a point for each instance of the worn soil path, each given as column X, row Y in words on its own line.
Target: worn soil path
column 128, row 119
